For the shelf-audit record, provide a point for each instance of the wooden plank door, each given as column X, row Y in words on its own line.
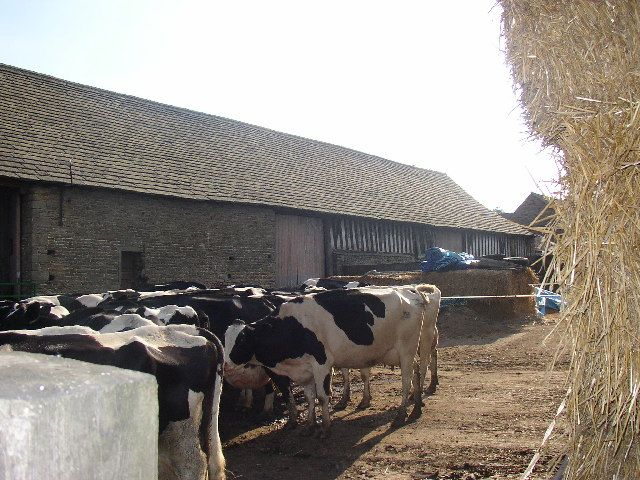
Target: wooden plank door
column 299, row 249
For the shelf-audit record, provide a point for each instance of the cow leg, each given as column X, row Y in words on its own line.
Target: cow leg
column 284, row 385
column 323, row 390
column 346, row 390
column 433, row 362
column 310, row 394
column 428, row 360
column 179, row 452
column 433, row 367
column 216, row 462
column 269, row 397
column 366, row 396
column 292, row 407
column 407, row 370
column 417, row 391
column 266, row 415
column 246, row 398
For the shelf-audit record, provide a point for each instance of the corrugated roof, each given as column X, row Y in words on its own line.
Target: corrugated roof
column 53, row 128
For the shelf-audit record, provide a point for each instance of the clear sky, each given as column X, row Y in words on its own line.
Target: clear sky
column 418, row 82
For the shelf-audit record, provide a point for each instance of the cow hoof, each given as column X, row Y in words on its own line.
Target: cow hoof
column 398, row 421
column 399, row 418
column 415, row 413
column 340, row 406
column 363, row 405
column 430, row 390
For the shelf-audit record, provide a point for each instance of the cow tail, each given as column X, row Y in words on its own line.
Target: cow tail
column 209, row 434
column 430, row 295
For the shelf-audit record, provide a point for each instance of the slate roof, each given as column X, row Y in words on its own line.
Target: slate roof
column 123, row 142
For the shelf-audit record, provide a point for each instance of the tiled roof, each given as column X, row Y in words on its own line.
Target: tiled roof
column 529, row 210
column 51, row 129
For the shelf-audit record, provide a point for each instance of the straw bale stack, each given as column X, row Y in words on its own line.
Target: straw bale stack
column 470, row 282
column 576, row 66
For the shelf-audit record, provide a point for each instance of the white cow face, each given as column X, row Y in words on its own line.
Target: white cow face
column 237, row 348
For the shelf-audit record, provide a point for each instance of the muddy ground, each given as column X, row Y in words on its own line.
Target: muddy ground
column 495, row 400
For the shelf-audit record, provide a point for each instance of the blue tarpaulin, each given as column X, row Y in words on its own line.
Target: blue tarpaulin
column 439, row 260
column 547, row 300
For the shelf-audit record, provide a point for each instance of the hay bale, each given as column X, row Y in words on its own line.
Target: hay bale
column 471, row 282
column 576, row 67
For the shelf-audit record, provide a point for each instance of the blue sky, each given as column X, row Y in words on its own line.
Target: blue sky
column 417, row 82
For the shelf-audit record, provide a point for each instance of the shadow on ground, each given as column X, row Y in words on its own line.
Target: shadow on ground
column 463, row 326
column 264, row 453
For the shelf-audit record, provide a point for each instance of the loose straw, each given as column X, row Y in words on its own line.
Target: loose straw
column 576, row 67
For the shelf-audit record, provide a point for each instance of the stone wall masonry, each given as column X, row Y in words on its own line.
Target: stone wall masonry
column 73, row 238
column 71, row 420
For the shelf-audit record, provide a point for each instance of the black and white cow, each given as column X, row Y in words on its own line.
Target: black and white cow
column 172, row 315
column 69, row 302
column 187, row 363
column 221, row 307
column 429, row 331
column 354, row 328
column 32, row 314
column 103, row 312
column 329, row 284
column 319, row 284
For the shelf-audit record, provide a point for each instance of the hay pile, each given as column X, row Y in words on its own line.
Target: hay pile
column 470, row 282
column 576, row 65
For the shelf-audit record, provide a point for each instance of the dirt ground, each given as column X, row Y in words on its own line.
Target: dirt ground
column 495, row 400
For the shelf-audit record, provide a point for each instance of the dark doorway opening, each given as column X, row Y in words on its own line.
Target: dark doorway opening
column 131, row 269
column 9, row 243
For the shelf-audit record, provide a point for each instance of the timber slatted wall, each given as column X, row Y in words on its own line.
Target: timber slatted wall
column 481, row 243
column 377, row 236
column 362, row 235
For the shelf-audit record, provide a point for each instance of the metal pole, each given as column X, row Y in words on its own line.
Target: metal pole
column 497, row 296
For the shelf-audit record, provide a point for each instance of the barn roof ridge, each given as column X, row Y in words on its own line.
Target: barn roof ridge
column 121, row 141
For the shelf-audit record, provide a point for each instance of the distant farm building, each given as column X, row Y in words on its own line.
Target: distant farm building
column 102, row 190
column 533, row 211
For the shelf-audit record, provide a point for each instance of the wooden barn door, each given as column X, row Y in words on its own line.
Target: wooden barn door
column 299, row 249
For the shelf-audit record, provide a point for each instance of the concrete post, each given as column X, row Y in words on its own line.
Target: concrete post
column 71, row 420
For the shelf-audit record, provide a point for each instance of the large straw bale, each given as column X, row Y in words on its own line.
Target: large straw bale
column 576, row 66
column 471, row 282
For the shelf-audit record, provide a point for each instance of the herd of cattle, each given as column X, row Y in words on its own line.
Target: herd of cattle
column 177, row 331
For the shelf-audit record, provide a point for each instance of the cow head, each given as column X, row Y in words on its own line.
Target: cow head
column 239, row 344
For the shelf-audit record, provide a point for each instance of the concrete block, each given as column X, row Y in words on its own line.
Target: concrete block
column 71, row 420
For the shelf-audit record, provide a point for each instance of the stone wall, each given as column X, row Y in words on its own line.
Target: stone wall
column 72, row 239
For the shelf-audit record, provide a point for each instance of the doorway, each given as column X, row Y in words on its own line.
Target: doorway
column 131, row 269
column 299, row 249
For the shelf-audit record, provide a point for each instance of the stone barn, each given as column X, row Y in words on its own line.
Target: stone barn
column 101, row 190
